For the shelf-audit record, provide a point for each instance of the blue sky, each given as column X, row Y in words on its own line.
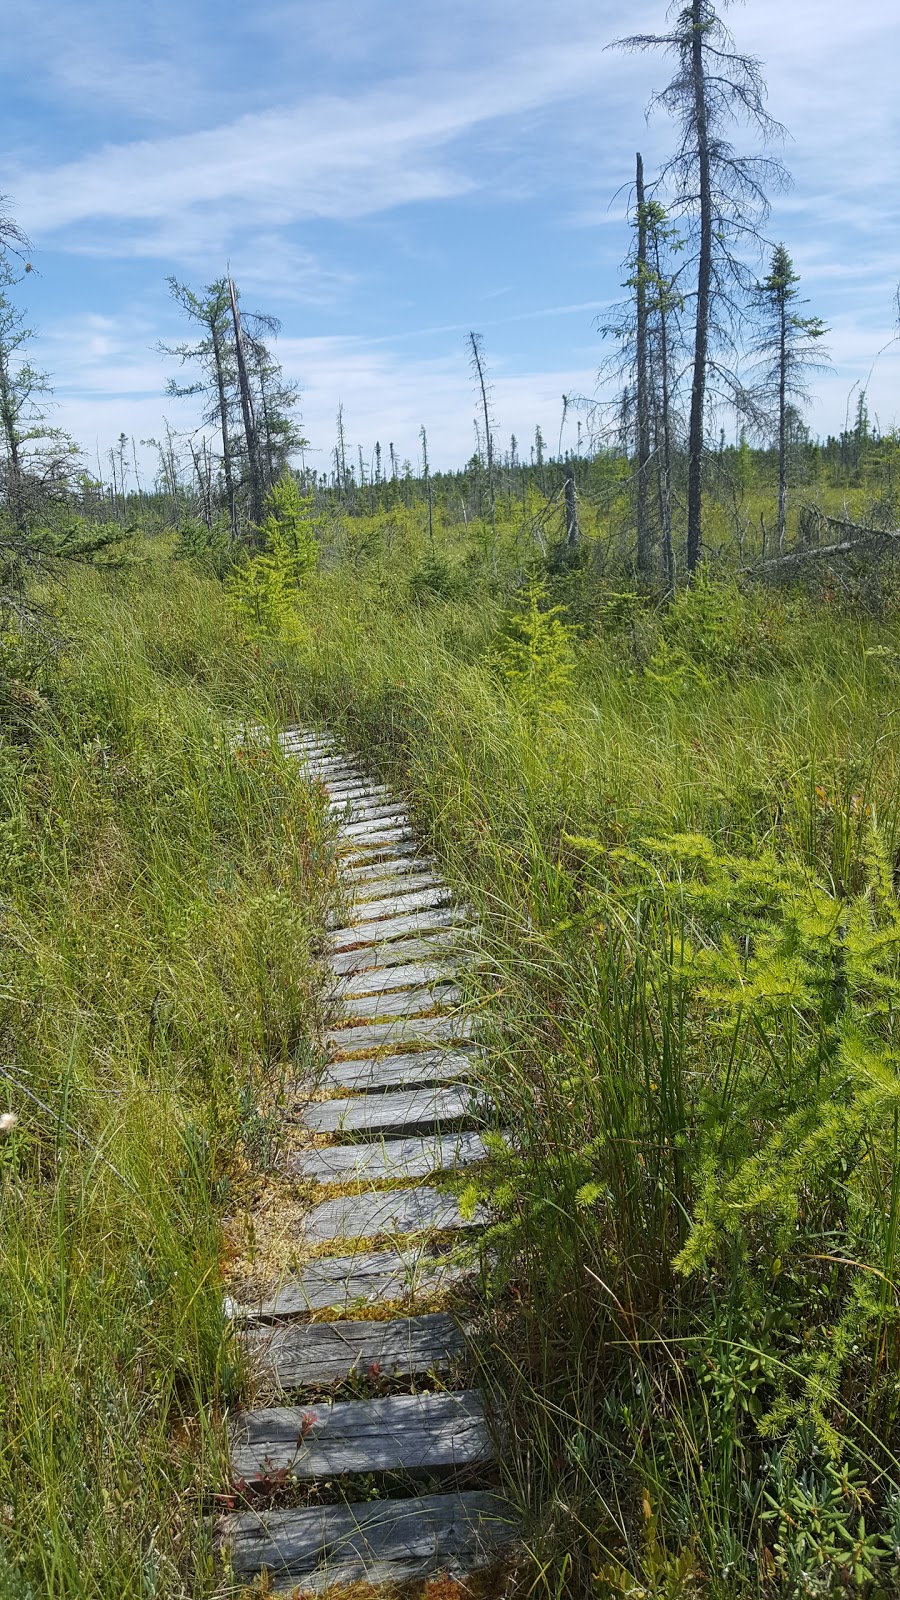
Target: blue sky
column 384, row 177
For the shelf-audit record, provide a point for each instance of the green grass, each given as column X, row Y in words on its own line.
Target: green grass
column 684, row 867
column 161, row 894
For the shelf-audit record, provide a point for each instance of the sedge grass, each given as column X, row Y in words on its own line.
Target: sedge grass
column 162, row 892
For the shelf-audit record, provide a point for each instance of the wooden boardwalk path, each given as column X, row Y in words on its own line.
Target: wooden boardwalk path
column 402, row 1107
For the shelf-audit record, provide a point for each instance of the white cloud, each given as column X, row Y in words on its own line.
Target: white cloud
column 328, row 157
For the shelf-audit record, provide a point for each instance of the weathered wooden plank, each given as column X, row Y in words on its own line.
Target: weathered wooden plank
column 392, row 1211
column 375, row 812
column 412, row 975
column 309, row 747
column 388, row 887
column 412, row 922
column 390, row 830
column 405, row 1108
column 401, row 1432
column 298, row 1353
column 366, row 1278
column 399, row 1003
column 399, row 864
column 357, row 794
column 391, row 1158
column 324, row 766
column 369, row 1037
column 397, row 905
column 379, row 957
column 374, row 1073
column 374, row 835
column 382, row 1541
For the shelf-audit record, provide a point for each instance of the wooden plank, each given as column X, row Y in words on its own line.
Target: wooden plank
column 388, row 831
column 393, row 884
column 382, row 1541
column 373, row 834
column 369, row 1037
column 398, row 904
column 387, row 1211
column 379, row 957
column 405, row 1108
column 412, row 922
column 413, row 975
column 299, row 1353
column 374, row 1073
column 392, row 1158
column 399, row 1003
column 375, row 811
column 366, row 1278
column 340, row 793
column 393, row 864
column 401, row 1432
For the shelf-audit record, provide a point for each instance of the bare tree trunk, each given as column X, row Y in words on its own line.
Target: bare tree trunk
column 478, row 363
column 341, row 452
column 664, row 456
column 782, row 423
column 11, row 440
column 704, row 281
column 573, row 532
column 644, row 530
column 219, row 358
column 250, row 432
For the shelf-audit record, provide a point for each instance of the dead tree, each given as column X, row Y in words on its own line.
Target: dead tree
column 251, row 434
column 645, row 560
column 722, row 194
column 477, row 363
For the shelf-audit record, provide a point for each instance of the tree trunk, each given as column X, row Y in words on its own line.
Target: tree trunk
column 218, row 357
column 704, row 280
column 250, row 433
column 11, row 440
column 573, row 532
column 664, row 455
column 782, row 420
column 644, row 530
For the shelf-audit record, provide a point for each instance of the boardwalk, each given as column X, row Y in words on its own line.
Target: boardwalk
column 402, row 1107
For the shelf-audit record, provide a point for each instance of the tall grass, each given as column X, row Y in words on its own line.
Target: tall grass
column 161, row 895
column 690, row 986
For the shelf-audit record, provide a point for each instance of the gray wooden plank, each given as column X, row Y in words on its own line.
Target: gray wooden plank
column 298, row 1353
column 405, row 1108
column 372, row 833
column 412, row 975
column 397, row 905
column 411, row 922
column 401, row 1432
column 383, row 1541
column 357, row 793
column 368, row 1037
column 379, row 957
column 414, row 1157
column 374, row 1073
column 370, row 811
column 387, row 1211
column 398, row 1003
column 393, row 864
column 366, row 1278
column 391, row 830
column 393, row 884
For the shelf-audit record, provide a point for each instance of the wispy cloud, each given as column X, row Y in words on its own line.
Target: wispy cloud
column 327, row 157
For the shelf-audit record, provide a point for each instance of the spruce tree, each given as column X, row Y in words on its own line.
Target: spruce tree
column 788, row 349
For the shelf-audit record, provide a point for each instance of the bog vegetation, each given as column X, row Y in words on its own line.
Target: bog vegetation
column 643, row 698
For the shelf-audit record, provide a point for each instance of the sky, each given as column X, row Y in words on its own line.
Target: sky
column 384, row 176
